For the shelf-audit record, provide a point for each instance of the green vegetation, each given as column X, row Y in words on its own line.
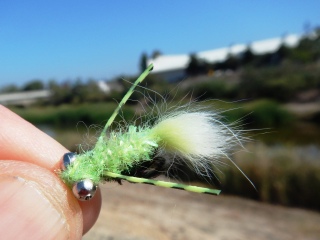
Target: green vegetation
column 213, row 89
column 262, row 113
column 283, row 83
column 288, row 176
column 70, row 115
column 268, row 114
column 33, row 85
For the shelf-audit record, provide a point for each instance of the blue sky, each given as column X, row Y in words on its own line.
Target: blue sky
column 102, row 39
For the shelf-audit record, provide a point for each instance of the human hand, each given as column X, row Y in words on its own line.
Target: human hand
column 35, row 203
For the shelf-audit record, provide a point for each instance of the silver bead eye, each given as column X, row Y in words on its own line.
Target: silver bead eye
column 68, row 159
column 84, row 190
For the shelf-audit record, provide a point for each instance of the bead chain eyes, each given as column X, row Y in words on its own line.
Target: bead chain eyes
column 84, row 189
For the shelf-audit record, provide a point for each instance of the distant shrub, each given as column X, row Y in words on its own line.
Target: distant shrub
column 213, row 89
column 282, row 175
column 259, row 114
column 267, row 113
column 281, row 83
column 70, row 115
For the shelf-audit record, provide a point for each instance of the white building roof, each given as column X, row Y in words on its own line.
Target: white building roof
column 164, row 63
column 24, row 97
column 103, row 86
column 169, row 62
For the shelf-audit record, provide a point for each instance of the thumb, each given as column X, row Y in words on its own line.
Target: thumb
column 35, row 204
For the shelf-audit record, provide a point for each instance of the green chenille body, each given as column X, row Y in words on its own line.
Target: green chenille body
column 118, row 153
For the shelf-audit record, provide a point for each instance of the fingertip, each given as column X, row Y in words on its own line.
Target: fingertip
column 35, row 204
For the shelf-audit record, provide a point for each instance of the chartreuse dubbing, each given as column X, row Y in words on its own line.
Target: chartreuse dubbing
column 187, row 135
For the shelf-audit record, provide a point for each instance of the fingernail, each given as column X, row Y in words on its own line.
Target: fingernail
column 26, row 212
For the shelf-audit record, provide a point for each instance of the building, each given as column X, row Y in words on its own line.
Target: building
column 172, row 67
column 24, row 98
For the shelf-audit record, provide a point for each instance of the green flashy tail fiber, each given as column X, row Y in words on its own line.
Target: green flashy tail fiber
column 188, row 188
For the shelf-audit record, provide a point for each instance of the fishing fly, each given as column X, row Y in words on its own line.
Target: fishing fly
column 191, row 136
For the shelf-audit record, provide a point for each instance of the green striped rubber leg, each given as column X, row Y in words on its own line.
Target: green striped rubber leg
column 125, row 98
column 164, row 184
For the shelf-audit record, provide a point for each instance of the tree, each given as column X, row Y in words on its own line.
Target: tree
column 61, row 93
column 9, row 89
column 282, row 53
column 196, row 66
column 156, row 53
column 247, row 56
column 33, row 85
column 232, row 62
column 143, row 62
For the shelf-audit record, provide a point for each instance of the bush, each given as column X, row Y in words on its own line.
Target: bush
column 281, row 83
column 212, row 89
column 267, row 113
column 282, row 175
column 70, row 115
column 258, row 114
